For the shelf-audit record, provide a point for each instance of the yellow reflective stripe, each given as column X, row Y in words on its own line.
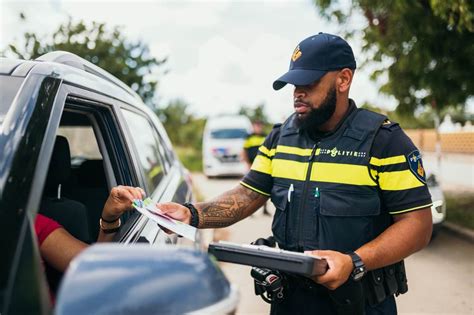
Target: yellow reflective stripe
column 254, row 141
column 293, row 150
column 262, row 164
column 267, row 152
column 388, row 161
column 288, row 150
column 412, row 209
column 324, row 172
column 254, row 189
column 289, row 169
column 374, row 173
column 399, row 180
column 342, row 173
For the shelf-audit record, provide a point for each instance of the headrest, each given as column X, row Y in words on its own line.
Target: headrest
column 91, row 174
column 59, row 166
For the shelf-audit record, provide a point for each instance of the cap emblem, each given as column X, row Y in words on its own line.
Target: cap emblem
column 296, row 54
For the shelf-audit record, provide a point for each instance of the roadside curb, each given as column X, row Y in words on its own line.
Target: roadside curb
column 461, row 232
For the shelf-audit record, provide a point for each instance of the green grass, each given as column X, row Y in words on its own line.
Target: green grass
column 460, row 209
column 190, row 157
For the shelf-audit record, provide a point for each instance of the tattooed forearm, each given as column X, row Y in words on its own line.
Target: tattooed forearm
column 230, row 207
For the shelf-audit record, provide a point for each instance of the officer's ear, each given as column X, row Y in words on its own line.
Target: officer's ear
column 344, row 80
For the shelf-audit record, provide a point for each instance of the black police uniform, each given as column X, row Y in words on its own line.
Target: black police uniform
column 251, row 145
column 336, row 191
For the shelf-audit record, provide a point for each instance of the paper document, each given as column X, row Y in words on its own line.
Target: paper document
column 148, row 208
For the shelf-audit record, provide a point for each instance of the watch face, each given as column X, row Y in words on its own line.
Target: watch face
column 358, row 276
column 358, row 273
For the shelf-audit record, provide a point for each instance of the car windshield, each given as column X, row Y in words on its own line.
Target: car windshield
column 9, row 87
column 229, row 134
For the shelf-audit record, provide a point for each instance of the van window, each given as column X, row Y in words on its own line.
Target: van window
column 149, row 149
column 229, row 134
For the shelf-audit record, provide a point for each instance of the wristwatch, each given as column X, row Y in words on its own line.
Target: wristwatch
column 359, row 268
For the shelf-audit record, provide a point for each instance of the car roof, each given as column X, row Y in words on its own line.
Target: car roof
column 8, row 65
column 67, row 66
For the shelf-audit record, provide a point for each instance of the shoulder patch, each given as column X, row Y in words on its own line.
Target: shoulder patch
column 416, row 165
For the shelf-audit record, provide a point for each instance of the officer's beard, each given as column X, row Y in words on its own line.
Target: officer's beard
column 316, row 117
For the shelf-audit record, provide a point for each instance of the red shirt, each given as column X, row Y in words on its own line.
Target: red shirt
column 44, row 226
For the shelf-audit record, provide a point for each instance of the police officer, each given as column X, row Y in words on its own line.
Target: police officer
column 348, row 185
column 251, row 145
column 253, row 142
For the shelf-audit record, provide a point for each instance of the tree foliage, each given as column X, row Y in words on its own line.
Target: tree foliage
column 425, row 48
column 130, row 61
column 185, row 131
column 175, row 117
column 255, row 113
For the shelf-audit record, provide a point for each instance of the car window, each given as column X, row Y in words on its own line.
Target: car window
column 82, row 143
column 167, row 154
column 150, row 150
column 229, row 134
column 10, row 86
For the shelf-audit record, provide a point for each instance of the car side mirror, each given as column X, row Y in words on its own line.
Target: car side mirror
column 139, row 279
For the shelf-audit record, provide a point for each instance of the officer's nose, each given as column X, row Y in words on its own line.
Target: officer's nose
column 299, row 92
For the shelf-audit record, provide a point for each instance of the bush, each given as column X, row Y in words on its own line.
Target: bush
column 190, row 157
column 460, row 209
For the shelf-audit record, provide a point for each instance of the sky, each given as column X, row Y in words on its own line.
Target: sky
column 221, row 54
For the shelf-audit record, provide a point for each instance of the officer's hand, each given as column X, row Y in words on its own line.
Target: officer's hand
column 340, row 267
column 175, row 211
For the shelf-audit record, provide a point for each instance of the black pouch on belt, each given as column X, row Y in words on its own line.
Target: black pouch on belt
column 374, row 287
column 349, row 298
column 391, row 284
column 401, row 277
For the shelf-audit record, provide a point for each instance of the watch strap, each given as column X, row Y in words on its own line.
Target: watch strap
column 359, row 266
column 194, row 214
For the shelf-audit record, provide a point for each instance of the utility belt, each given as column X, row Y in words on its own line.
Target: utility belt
column 373, row 289
column 384, row 282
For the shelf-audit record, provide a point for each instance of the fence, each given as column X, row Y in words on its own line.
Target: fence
column 454, row 142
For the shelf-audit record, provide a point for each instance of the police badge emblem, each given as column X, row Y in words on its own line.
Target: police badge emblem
column 416, row 165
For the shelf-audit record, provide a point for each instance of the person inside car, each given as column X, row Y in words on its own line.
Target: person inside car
column 58, row 247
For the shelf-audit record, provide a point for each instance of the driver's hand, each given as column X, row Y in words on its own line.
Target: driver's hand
column 120, row 200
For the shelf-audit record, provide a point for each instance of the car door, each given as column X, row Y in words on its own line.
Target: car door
column 160, row 179
column 120, row 163
column 23, row 139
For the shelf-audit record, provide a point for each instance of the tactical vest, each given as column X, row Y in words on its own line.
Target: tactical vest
column 251, row 145
column 326, row 196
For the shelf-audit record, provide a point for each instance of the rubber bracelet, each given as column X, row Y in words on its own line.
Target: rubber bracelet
column 194, row 214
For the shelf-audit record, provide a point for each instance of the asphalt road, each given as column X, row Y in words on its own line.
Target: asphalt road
column 440, row 277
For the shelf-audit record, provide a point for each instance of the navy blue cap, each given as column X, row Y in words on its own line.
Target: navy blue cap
column 314, row 57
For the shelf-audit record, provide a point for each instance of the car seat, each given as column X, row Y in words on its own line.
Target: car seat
column 90, row 187
column 71, row 214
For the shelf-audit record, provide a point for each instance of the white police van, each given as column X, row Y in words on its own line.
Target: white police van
column 222, row 146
